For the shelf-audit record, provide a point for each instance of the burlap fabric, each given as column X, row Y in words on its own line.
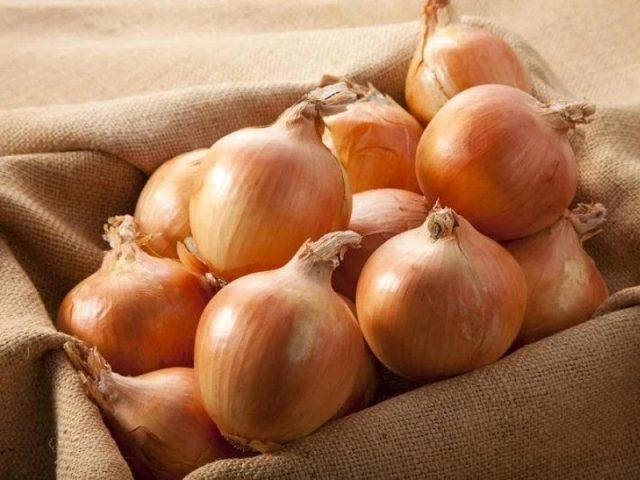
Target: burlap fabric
column 96, row 95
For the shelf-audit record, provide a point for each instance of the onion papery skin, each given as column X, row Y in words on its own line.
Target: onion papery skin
column 377, row 215
column 140, row 311
column 452, row 57
column 435, row 307
column 157, row 418
column 162, row 211
column 375, row 139
column 564, row 284
column 501, row 159
column 278, row 354
column 262, row 192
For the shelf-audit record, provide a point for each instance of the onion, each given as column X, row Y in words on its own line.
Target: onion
column 501, row 159
column 157, row 418
column 375, row 139
column 440, row 300
column 140, row 311
column 564, row 284
column 162, row 212
column 377, row 215
column 278, row 353
column 261, row 192
column 452, row 57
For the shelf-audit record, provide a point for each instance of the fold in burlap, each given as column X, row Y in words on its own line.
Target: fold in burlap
column 565, row 407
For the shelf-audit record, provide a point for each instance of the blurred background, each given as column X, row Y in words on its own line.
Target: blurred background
column 64, row 51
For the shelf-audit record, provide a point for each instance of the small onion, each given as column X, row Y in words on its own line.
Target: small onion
column 279, row 353
column 501, row 159
column 452, row 57
column 375, row 139
column 377, row 215
column 140, row 311
column 157, row 418
column 261, row 192
column 440, row 300
column 564, row 284
column 162, row 212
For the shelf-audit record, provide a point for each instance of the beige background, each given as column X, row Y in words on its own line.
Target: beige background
column 91, row 50
column 177, row 76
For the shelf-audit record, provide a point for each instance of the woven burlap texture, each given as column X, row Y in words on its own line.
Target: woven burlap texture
column 88, row 112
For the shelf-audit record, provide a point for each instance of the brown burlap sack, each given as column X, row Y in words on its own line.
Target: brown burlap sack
column 565, row 407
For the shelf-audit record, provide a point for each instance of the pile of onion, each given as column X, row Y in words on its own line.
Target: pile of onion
column 261, row 192
column 279, row 353
column 157, row 418
column 501, row 159
column 452, row 57
column 377, row 215
column 375, row 139
column 564, row 284
column 441, row 299
column 140, row 311
column 162, row 211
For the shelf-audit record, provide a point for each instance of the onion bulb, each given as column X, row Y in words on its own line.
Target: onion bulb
column 140, row 311
column 501, row 159
column 377, row 215
column 279, row 353
column 261, row 192
column 157, row 418
column 452, row 57
column 162, row 212
column 440, row 300
column 564, row 284
column 375, row 139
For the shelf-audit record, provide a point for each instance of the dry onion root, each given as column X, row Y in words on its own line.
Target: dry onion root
column 261, row 192
column 440, row 300
column 564, row 284
column 157, row 418
column 375, row 139
column 279, row 353
column 162, row 211
column 452, row 57
column 377, row 215
column 140, row 311
column 501, row 159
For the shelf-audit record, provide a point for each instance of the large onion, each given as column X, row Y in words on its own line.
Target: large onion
column 564, row 284
column 501, row 159
column 162, row 211
column 452, row 57
column 140, row 311
column 375, row 139
column 440, row 300
column 157, row 418
column 261, row 192
column 279, row 353
column 377, row 215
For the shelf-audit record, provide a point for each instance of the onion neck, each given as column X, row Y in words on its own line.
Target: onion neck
column 435, row 13
column 587, row 219
column 320, row 258
column 566, row 115
column 95, row 372
column 441, row 222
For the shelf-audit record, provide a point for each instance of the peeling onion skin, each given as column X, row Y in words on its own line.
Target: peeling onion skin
column 156, row 418
column 564, row 285
column 452, row 57
column 262, row 192
column 377, row 215
column 162, row 211
column 440, row 300
column 501, row 159
column 375, row 139
column 140, row 311
column 278, row 353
